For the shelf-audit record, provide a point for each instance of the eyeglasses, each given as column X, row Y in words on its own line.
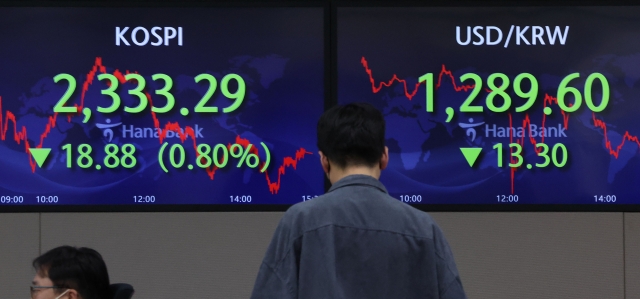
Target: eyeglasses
column 35, row 289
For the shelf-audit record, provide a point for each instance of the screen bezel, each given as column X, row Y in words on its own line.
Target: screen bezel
column 330, row 8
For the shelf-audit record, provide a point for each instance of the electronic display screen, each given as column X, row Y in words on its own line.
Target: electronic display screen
column 160, row 106
column 500, row 105
column 129, row 107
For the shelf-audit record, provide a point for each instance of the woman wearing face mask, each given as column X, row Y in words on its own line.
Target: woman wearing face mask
column 67, row 272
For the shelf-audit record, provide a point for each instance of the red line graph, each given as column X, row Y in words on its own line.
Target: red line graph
column 410, row 95
column 526, row 122
column 20, row 135
column 614, row 152
column 286, row 162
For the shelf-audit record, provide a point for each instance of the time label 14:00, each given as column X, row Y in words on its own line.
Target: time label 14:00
column 497, row 91
column 141, row 94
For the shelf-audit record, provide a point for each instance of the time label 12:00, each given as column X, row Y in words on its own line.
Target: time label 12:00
column 143, row 96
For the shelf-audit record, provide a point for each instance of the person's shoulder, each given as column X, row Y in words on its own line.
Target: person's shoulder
column 418, row 214
column 307, row 208
column 300, row 210
column 406, row 218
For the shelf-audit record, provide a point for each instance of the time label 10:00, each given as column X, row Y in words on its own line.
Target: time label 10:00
column 139, row 92
column 500, row 91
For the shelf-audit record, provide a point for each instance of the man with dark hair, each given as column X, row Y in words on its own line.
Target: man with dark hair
column 356, row 241
column 70, row 273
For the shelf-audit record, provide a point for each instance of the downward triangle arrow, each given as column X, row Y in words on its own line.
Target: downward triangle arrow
column 40, row 155
column 471, row 154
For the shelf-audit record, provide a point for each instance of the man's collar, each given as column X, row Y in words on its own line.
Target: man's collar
column 358, row 179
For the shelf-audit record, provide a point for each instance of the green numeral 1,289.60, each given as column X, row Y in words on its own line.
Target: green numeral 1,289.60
column 111, row 159
column 499, row 100
column 559, row 155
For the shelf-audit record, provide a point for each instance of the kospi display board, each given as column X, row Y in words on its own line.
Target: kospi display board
column 160, row 106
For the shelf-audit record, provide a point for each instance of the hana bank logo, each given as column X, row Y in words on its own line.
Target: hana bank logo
column 106, row 129
column 471, row 131
column 531, row 130
column 131, row 131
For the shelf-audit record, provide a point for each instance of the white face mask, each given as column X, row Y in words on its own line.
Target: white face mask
column 63, row 293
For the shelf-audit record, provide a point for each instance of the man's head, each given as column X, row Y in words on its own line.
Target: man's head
column 70, row 273
column 351, row 141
